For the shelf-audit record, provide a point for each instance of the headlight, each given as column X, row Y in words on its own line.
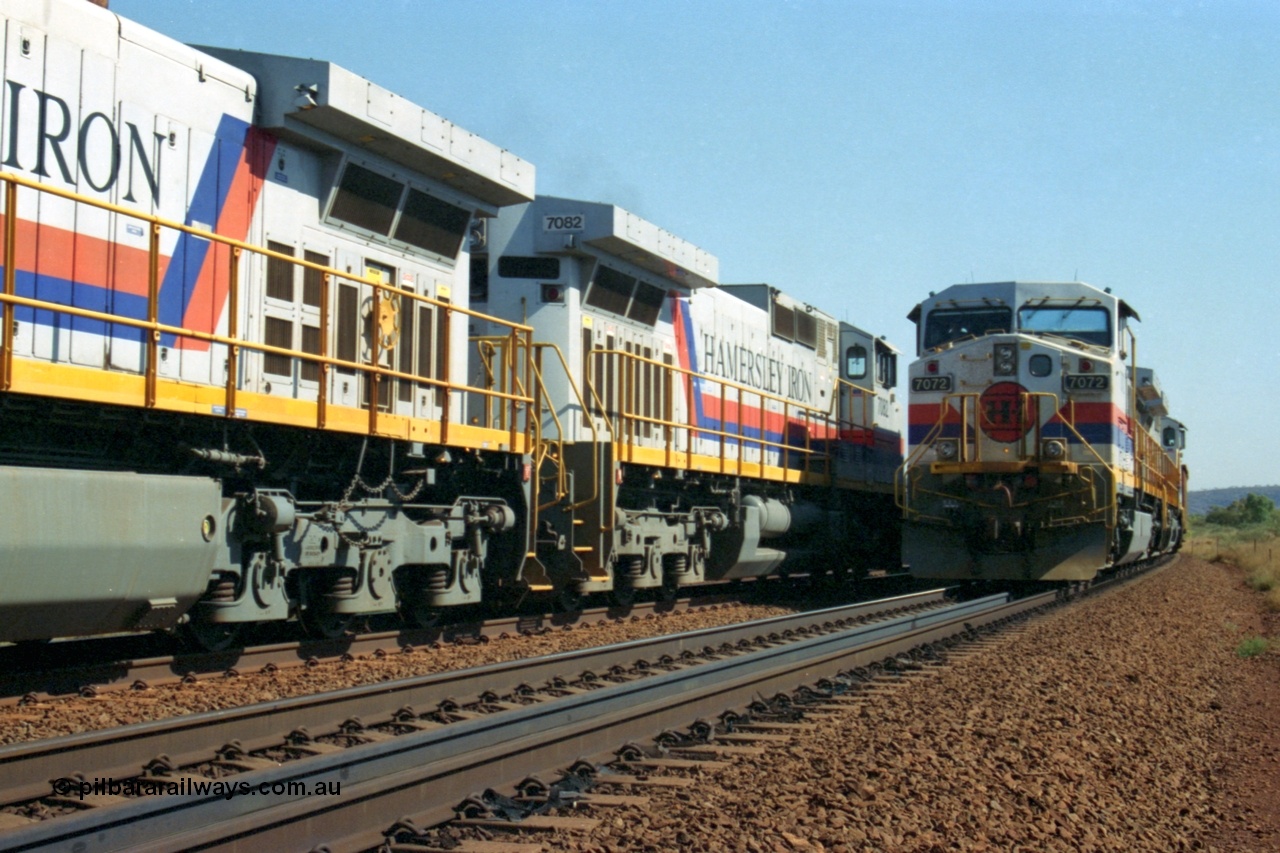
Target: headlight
column 1054, row 448
column 946, row 450
column 1006, row 358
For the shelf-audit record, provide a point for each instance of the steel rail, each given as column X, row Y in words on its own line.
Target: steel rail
column 57, row 670
column 26, row 769
column 423, row 775
column 20, row 681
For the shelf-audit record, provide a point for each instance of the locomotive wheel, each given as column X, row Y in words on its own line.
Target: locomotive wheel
column 321, row 624
column 622, row 596
column 211, row 636
column 669, row 589
column 420, row 615
column 569, row 599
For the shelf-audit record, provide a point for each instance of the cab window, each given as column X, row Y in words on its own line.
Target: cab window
column 946, row 325
column 886, row 368
column 1092, row 324
column 855, row 362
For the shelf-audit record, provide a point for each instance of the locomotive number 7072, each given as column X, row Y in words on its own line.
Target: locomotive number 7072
column 1074, row 382
column 930, row 383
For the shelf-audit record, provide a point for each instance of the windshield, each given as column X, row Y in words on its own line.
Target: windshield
column 1091, row 325
column 946, row 325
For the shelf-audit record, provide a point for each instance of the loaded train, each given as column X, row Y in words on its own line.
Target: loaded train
column 278, row 344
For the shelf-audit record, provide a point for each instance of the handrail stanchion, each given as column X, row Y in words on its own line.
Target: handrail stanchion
column 233, row 331
column 10, row 279
column 322, row 393
column 153, row 316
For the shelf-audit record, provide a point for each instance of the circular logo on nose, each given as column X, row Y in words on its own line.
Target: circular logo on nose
column 1001, row 412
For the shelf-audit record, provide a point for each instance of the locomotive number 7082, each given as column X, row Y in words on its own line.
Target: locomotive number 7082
column 572, row 222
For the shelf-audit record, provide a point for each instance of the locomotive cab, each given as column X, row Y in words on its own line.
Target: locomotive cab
column 599, row 286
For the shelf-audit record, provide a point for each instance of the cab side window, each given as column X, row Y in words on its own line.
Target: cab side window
column 886, row 369
column 855, row 362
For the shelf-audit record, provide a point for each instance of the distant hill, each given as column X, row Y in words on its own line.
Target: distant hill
column 1203, row 500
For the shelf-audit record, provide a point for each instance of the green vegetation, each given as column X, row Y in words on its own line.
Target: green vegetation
column 1200, row 501
column 1251, row 647
column 1252, row 510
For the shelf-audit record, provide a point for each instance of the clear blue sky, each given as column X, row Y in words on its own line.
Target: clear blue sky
column 860, row 154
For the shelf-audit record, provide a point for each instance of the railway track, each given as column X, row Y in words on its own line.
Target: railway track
column 416, row 748
column 42, row 676
column 92, row 666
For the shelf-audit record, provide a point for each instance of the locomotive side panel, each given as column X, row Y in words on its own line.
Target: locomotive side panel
column 411, row 332
column 595, row 281
column 770, row 365
column 81, row 115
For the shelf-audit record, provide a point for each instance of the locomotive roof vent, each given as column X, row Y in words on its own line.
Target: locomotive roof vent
column 315, row 102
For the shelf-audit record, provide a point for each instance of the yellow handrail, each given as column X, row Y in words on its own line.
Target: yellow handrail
column 591, row 425
column 970, row 415
column 233, row 339
column 791, row 410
